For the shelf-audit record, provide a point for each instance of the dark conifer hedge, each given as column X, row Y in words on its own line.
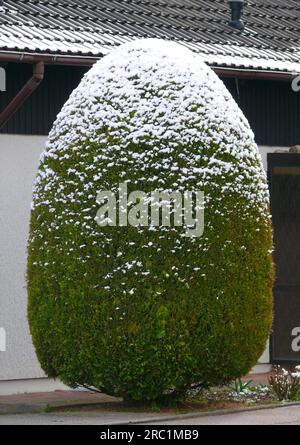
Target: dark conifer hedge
column 140, row 312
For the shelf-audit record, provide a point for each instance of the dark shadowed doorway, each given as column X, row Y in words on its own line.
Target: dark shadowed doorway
column 284, row 181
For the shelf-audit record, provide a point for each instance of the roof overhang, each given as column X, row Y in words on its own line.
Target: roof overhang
column 84, row 61
column 48, row 59
column 284, row 76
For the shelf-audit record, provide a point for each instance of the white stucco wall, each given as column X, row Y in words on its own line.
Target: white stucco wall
column 19, row 156
column 265, row 149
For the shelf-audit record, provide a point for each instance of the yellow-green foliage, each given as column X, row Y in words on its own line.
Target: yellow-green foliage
column 141, row 312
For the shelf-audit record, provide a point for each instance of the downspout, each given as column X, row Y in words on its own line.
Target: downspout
column 30, row 86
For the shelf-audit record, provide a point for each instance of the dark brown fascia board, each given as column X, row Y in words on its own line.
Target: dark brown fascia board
column 50, row 59
column 285, row 76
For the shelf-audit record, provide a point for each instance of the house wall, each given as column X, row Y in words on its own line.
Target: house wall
column 271, row 107
column 37, row 114
column 19, row 157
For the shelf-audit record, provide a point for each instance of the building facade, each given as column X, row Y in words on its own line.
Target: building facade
column 257, row 65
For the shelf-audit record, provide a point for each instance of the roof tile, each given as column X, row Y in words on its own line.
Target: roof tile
column 92, row 27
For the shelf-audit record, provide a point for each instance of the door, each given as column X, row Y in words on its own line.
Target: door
column 284, row 181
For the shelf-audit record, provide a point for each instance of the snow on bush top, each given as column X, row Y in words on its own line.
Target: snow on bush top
column 150, row 114
column 161, row 93
column 162, row 98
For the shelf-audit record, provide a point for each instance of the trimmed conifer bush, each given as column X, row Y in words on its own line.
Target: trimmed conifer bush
column 143, row 312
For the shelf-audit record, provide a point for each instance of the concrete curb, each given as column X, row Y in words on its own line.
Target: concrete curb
column 9, row 409
column 20, row 409
column 25, row 408
column 207, row 413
